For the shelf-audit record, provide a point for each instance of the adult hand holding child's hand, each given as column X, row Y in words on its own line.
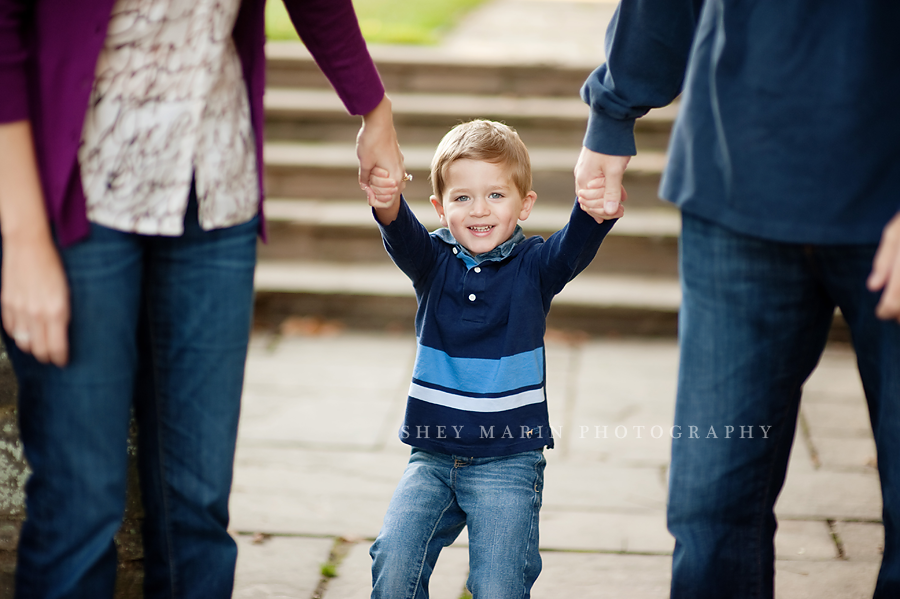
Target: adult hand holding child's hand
column 385, row 189
column 377, row 147
column 598, row 184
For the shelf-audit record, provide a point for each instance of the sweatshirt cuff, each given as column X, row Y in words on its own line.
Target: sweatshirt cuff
column 610, row 136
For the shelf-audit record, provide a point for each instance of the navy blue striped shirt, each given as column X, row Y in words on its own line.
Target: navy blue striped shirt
column 478, row 386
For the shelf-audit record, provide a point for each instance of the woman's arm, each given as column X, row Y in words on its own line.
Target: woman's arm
column 330, row 30
column 377, row 146
column 34, row 294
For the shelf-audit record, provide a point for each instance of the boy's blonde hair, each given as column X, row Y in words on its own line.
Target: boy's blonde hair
column 488, row 141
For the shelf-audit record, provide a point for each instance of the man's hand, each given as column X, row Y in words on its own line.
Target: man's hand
column 886, row 272
column 598, row 184
column 592, row 200
column 376, row 145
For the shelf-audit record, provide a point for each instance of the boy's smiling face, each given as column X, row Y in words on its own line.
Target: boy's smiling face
column 481, row 206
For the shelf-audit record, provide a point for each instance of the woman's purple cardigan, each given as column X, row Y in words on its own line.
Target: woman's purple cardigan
column 49, row 50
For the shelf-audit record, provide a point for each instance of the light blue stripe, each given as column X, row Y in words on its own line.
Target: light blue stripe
column 476, row 404
column 478, row 375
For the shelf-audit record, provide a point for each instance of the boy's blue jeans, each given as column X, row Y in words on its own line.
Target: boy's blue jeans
column 161, row 322
column 754, row 320
column 497, row 498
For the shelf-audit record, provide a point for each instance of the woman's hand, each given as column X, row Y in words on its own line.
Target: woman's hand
column 34, row 294
column 376, row 146
column 34, row 299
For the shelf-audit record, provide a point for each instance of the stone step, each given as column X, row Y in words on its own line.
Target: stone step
column 645, row 242
column 329, row 171
column 423, row 118
column 379, row 296
column 326, row 296
column 433, row 70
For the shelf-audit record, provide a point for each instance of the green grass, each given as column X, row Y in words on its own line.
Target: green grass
column 419, row 22
column 329, row 570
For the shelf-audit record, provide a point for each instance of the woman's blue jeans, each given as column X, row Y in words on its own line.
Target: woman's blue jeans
column 754, row 320
column 497, row 498
column 162, row 323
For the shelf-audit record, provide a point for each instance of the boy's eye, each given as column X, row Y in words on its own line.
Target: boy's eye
column 496, row 195
column 462, row 199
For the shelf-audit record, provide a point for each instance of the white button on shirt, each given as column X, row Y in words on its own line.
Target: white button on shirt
column 471, row 297
column 477, row 269
column 169, row 104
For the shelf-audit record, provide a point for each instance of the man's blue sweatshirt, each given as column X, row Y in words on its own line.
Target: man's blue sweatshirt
column 789, row 125
column 478, row 386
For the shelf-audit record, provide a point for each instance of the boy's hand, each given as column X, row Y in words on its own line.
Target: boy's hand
column 593, row 198
column 593, row 166
column 385, row 190
column 886, row 272
column 384, row 194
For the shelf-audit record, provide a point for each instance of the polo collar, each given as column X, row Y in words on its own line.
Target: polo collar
column 501, row 252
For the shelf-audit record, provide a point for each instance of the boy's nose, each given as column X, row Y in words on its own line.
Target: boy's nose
column 480, row 208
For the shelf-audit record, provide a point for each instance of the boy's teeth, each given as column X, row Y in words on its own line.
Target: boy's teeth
column 480, row 229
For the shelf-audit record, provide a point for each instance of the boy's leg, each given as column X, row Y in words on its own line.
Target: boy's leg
column 502, row 500
column 74, row 425
column 423, row 518
column 198, row 311
column 877, row 345
column 753, row 322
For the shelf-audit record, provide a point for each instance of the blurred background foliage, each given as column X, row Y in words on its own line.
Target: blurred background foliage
column 419, row 22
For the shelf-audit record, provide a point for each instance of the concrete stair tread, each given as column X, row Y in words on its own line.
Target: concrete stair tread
column 430, row 69
column 287, row 101
column 286, row 154
column 587, row 290
column 638, row 222
column 429, row 56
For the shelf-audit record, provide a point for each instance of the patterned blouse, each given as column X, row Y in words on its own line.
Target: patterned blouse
column 168, row 106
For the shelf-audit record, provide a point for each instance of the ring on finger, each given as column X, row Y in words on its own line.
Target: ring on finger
column 406, row 177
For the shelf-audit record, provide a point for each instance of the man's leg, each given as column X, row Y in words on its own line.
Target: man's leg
column 199, row 301
column 74, row 426
column 877, row 345
column 753, row 323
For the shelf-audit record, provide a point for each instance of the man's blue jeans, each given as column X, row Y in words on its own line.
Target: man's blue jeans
column 497, row 498
column 161, row 322
column 754, row 320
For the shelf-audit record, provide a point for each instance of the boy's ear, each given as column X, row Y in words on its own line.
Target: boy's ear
column 527, row 204
column 439, row 207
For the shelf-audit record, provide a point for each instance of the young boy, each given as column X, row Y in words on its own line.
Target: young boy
column 476, row 414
